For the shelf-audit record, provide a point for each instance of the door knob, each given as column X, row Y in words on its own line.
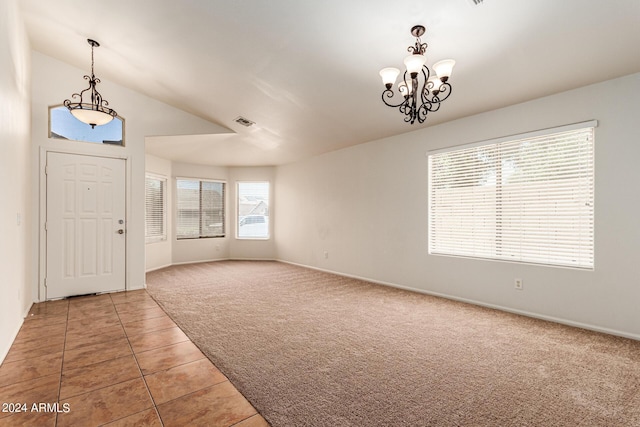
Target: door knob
column 121, row 231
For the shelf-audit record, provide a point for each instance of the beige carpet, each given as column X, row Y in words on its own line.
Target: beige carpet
column 309, row 348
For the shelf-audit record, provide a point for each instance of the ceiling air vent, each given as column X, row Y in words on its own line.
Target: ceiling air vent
column 476, row 2
column 244, row 122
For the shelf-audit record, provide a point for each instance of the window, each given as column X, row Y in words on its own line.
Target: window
column 63, row 125
column 253, row 210
column 155, row 198
column 200, row 208
column 527, row 199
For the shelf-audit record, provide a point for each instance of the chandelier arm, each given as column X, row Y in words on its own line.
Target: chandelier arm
column 389, row 94
column 426, row 73
column 95, row 95
column 446, row 89
column 421, row 113
column 432, row 106
column 411, row 110
column 407, row 110
column 426, row 85
column 91, row 88
column 98, row 103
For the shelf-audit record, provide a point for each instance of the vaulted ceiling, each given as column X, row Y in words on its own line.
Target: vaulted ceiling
column 307, row 71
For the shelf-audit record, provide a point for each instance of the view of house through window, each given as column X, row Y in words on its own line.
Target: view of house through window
column 253, row 210
column 201, row 208
column 63, row 125
column 155, row 208
column 527, row 199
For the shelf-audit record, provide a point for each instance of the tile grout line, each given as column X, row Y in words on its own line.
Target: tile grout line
column 146, row 386
column 207, row 358
column 64, row 348
column 181, row 364
column 72, row 327
column 102, row 387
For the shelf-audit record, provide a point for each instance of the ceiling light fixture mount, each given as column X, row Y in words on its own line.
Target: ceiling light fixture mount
column 97, row 112
column 422, row 91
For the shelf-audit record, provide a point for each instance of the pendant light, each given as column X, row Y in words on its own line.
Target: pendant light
column 96, row 112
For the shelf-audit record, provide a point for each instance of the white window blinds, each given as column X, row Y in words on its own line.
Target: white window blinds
column 200, row 208
column 155, row 208
column 527, row 200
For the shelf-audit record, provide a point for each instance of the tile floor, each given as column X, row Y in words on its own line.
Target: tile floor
column 116, row 360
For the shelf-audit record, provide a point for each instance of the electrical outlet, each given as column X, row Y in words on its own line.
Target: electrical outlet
column 326, row 255
column 518, row 284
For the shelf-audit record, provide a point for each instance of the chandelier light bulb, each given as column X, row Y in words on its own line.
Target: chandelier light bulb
column 389, row 76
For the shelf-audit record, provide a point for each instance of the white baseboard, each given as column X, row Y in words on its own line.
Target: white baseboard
column 198, row 261
column 157, row 268
column 209, row 260
column 559, row 320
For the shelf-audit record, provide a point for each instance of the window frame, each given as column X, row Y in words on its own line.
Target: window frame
column 163, row 182
column 238, row 211
column 583, row 249
column 223, row 208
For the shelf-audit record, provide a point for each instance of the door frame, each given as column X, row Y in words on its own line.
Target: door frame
column 42, row 234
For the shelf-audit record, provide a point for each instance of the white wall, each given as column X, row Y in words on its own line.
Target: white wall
column 173, row 251
column 366, row 206
column 159, row 254
column 52, row 82
column 15, row 209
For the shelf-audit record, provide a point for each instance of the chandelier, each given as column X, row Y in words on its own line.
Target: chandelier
column 97, row 112
column 421, row 92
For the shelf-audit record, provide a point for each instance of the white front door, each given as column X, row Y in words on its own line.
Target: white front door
column 85, row 225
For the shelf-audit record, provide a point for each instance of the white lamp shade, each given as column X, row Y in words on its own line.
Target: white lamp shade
column 414, row 63
column 435, row 83
column 389, row 75
column 91, row 117
column 443, row 68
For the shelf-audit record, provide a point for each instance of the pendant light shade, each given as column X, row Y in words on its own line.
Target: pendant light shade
column 90, row 116
column 414, row 64
column 389, row 76
column 444, row 68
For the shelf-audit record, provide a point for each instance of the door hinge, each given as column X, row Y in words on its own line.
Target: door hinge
column 46, row 170
column 46, row 225
column 45, row 282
